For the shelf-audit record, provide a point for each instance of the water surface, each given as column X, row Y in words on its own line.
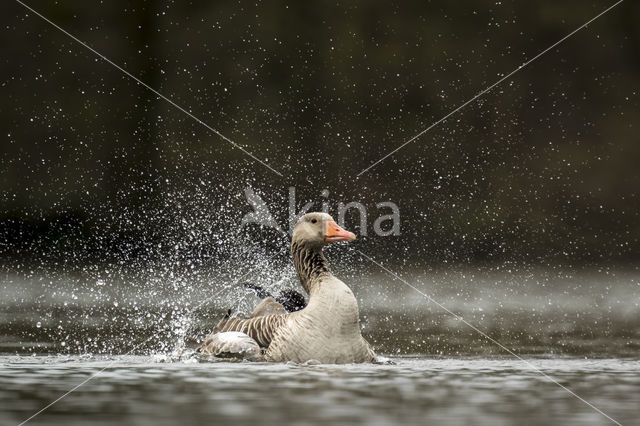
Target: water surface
column 415, row 390
column 581, row 329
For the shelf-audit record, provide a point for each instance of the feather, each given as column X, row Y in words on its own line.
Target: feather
column 262, row 329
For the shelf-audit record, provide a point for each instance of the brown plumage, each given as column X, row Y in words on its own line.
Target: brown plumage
column 261, row 328
column 328, row 328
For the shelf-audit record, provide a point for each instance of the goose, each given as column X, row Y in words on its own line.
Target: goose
column 326, row 330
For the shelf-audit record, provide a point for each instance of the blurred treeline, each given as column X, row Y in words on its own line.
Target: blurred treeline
column 544, row 168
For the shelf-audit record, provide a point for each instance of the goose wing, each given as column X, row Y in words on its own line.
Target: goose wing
column 268, row 306
column 231, row 344
column 262, row 329
column 290, row 300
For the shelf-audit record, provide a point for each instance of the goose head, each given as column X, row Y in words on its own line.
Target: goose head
column 318, row 229
column 311, row 233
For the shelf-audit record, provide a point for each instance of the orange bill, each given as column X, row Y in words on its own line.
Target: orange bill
column 333, row 232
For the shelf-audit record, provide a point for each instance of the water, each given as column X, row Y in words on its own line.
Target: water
column 581, row 329
column 540, row 312
column 146, row 391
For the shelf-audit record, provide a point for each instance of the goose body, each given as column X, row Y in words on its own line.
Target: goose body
column 327, row 330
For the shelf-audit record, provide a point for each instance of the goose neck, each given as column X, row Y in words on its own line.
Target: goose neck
column 310, row 263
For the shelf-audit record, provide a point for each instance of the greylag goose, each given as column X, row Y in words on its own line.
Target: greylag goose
column 327, row 330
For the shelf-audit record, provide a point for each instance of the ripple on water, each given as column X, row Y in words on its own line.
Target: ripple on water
column 413, row 391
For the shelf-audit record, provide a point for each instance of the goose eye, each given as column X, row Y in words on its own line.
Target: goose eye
column 314, row 220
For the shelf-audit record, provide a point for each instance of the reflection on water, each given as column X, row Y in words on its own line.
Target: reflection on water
column 143, row 391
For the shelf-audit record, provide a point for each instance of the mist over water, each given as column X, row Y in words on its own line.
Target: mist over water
column 537, row 312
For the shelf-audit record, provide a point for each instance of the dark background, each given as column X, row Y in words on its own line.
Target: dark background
column 95, row 169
